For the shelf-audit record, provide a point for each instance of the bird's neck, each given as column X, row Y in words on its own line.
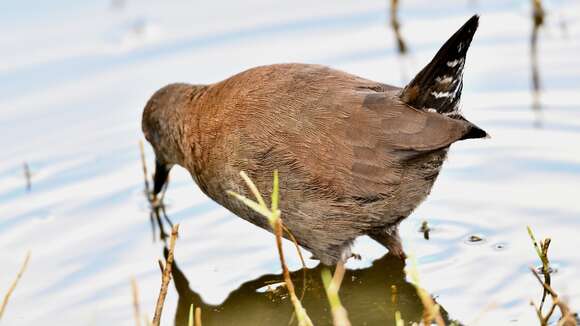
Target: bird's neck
column 194, row 133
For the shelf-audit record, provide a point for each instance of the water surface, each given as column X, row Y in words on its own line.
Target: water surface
column 74, row 80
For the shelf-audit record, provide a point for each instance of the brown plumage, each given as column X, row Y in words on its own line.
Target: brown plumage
column 353, row 156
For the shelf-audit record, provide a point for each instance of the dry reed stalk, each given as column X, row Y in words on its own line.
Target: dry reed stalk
column 567, row 317
column 304, row 269
column 166, row 277
column 301, row 315
column 14, row 284
column 136, row 308
column 144, row 166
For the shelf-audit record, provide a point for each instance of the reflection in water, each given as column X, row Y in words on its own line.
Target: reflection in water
column 538, row 15
column 396, row 25
column 401, row 44
column 156, row 205
column 367, row 294
column 27, row 176
column 157, row 214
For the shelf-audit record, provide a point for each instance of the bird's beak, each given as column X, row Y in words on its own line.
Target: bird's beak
column 160, row 177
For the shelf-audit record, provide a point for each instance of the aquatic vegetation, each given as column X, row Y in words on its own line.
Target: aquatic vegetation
column 567, row 318
column 332, row 285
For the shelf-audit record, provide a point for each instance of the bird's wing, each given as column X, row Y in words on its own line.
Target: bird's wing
column 380, row 134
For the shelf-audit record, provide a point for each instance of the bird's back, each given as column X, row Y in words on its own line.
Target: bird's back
column 348, row 132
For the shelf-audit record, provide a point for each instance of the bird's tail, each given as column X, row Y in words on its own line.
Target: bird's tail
column 438, row 86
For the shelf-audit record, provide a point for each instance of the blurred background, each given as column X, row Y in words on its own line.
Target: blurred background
column 75, row 76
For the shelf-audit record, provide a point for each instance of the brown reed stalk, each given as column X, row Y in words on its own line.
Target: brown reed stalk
column 166, row 277
column 145, row 173
column 14, row 284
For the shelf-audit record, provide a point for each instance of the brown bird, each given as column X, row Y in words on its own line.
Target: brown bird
column 355, row 156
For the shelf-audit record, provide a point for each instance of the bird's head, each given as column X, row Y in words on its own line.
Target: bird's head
column 162, row 126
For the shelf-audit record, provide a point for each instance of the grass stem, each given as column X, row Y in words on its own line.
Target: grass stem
column 14, row 284
column 166, row 277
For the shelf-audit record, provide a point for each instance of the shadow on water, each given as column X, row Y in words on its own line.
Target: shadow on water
column 367, row 294
column 538, row 16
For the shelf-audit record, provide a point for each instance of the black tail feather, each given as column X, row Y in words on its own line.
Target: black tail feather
column 438, row 86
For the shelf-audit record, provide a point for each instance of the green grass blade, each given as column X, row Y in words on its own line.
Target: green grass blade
column 253, row 188
column 190, row 321
column 263, row 210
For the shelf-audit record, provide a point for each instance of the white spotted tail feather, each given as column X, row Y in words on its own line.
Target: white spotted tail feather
column 438, row 86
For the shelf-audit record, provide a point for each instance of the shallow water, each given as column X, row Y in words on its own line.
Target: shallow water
column 74, row 80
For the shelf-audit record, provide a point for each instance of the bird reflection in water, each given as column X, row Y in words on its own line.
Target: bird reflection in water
column 371, row 296
column 538, row 16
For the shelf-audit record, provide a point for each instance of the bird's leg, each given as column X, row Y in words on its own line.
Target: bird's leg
column 390, row 238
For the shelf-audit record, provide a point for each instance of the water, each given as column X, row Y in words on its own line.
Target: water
column 74, row 80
